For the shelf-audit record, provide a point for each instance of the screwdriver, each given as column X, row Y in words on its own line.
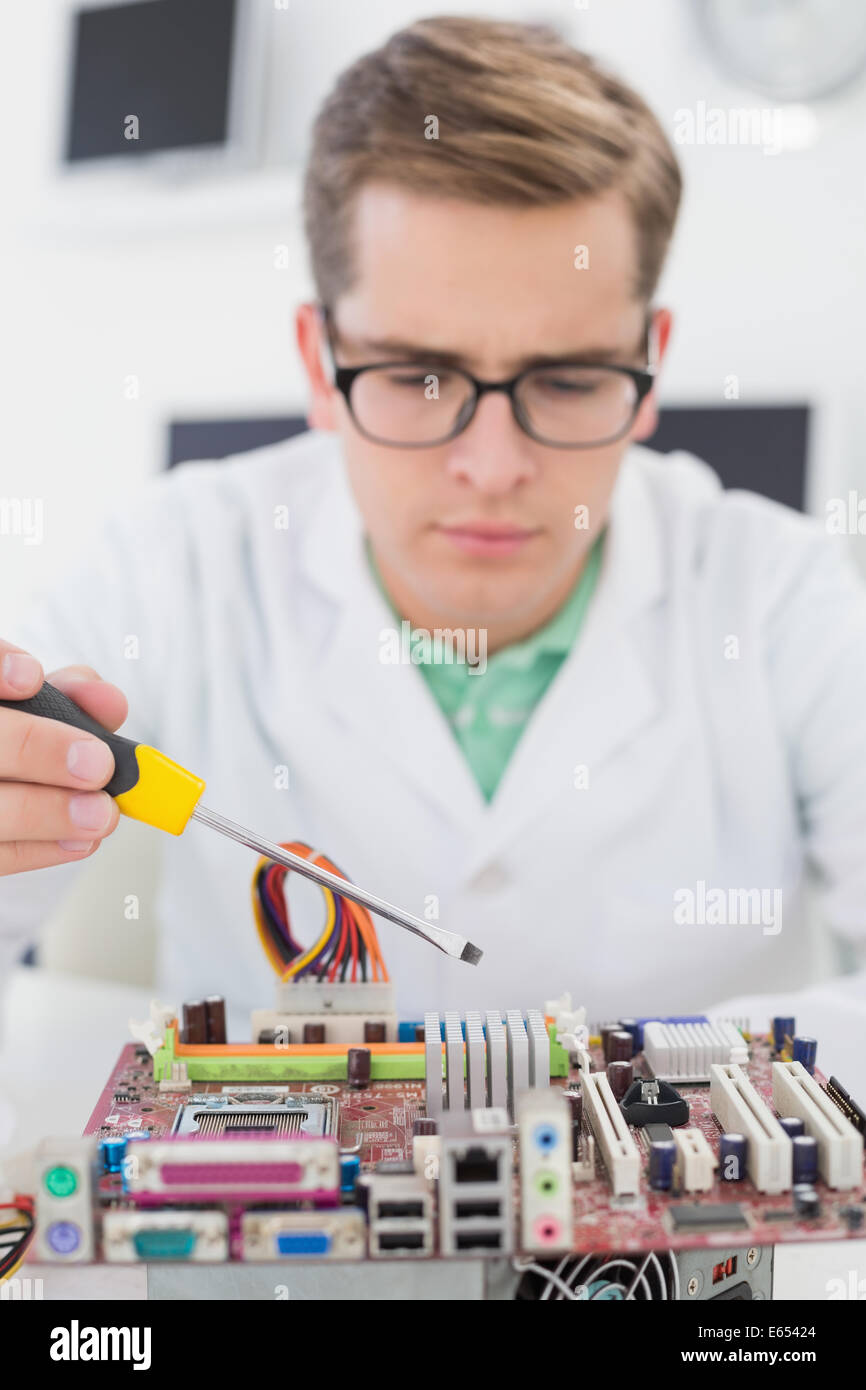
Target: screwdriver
column 149, row 787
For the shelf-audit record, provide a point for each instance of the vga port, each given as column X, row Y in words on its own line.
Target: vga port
column 303, row 1235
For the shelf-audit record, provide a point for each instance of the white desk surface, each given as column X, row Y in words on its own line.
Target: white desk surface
column 60, row 1034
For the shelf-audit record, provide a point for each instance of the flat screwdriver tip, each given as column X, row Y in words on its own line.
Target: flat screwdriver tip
column 471, row 954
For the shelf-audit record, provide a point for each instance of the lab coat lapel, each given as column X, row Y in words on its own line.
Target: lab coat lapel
column 603, row 694
column 387, row 706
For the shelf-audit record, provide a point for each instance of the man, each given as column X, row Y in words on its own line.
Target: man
column 663, row 720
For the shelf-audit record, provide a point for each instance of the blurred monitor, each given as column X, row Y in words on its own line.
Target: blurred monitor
column 159, row 77
column 762, row 448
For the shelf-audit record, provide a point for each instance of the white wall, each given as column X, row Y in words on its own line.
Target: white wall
column 176, row 285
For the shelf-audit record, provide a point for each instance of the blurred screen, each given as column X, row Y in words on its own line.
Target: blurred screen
column 165, row 62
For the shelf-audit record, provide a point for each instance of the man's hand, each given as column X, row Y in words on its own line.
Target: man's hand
column 51, row 811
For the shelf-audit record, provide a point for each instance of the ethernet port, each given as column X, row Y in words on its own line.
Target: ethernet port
column 476, row 1165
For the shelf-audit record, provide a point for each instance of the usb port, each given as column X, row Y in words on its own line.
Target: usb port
column 400, row 1240
column 467, row 1209
column 479, row 1240
column 409, row 1210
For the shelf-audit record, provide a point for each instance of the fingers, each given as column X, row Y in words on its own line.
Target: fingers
column 103, row 702
column 30, row 813
column 51, row 753
column 21, row 674
column 20, row 856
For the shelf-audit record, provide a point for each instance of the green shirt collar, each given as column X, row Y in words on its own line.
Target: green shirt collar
column 556, row 637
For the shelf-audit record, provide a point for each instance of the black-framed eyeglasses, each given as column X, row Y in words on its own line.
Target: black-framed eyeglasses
column 563, row 404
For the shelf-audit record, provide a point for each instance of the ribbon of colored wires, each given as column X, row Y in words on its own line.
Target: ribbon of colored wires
column 15, row 1234
column 347, row 947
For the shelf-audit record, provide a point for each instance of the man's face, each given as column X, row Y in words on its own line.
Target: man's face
column 481, row 530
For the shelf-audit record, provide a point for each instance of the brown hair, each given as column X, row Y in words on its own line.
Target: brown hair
column 524, row 119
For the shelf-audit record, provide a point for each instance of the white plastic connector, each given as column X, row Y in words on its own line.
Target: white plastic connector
column 740, row 1110
column 612, row 1134
column 840, row 1147
column 695, row 1160
column 179, row 1079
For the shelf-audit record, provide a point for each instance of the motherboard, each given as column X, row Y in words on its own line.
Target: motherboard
column 651, row 1158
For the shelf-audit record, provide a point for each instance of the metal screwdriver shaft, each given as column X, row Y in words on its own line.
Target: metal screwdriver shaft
column 447, row 941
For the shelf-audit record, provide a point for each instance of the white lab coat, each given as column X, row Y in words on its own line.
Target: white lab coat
column 708, row 728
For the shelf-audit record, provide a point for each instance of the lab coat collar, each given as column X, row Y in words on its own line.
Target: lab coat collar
column 599, row 699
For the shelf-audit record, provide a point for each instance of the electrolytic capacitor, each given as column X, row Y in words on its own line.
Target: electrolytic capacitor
column 350, row 1168
column 358, row 1063
column 112, row 1153
column 194, row 1021
column 620, row 1075
column 662, row 1157
column 732, row 1157
column 805, row 1051
column 419, row 1032
column 604, row 1033
column 215, row 1018
column 782, row 1028
column 805, row 1199
column 792, row 1125
column 805, row 1148
column 631, row 1025
column 575, row 1102
column 620, row 1046
column 314, row 1032
column 374, row 1032
column 424, row 1124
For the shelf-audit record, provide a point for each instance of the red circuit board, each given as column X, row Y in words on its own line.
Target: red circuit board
column 379, row 1121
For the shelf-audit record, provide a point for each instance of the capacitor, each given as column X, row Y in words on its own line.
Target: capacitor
column 805, row 1051
column 782, row 1028
column 424, row 1124
column 805, row 1168
column 732, row 1157
column 575, row 1102
column 419, row 1032
column 268, row 1037
column 631, row 1025
column 314, row 1032
column 620, row 1046
column 805, row 1199
column 604, row 1032
column 620, row 1075
column 350, row 1167
column 358, row 1063
column 194, row 1021
column 374, row 1032
column 792, row 1125
column 662, row 1157
column 112, row 1153
column 215, row 1018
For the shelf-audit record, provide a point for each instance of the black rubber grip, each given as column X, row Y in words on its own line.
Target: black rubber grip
column 50, row 703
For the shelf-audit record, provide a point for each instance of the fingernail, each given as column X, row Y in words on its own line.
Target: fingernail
column 21, row 671
column 90, row 760
column 77, row 845
column 90, row 810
